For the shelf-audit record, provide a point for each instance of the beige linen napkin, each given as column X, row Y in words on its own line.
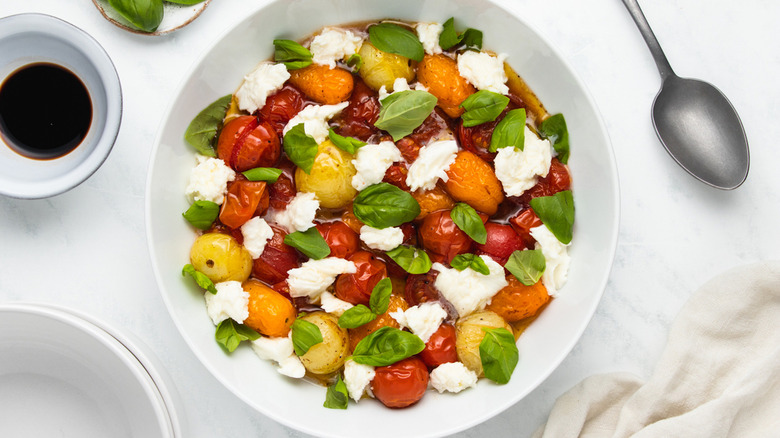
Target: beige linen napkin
column 719, row 375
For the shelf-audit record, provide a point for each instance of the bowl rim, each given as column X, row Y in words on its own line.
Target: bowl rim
column 94, row 51
column 611, row 164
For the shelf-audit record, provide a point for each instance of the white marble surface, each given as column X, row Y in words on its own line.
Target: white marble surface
column 86, row 248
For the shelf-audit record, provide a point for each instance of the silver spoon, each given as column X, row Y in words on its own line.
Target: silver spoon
column 695, row 122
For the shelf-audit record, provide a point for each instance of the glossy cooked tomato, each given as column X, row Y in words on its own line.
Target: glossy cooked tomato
column 361, row 113
column 342, row 241
column 441, row 238
column 356, row 288
column 440, row 348
column 276, row 260
column 522, row 222
column 401, row 384
column 502, row 240
column 281, row 107
column 557, row 180
column 396, row 175
column 420, row 288
column 244, row 199
column 247, row 142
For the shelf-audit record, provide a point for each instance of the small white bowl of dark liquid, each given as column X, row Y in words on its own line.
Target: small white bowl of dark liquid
column 60, row 106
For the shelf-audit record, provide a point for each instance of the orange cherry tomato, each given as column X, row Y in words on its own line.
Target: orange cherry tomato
column 342, row 241
column 244, row 199
column 270, row 313
column 323, row 84
column 442, row 239
column 246, row 142
column 276, row 259
column 440, row 348
column 518, row 301
column 356, row 288
column 401, row 384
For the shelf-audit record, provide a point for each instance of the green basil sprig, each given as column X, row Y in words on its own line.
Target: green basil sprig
column 527, row 266
column 384, row 205
column 291, row 54
column 267, row 174
column 229, row 334
column 468, row 220
column 387, row 346
column 483, row 106
column 498, row 353
column 300, row 147
column 355, row 61
column 309, row 242
column 554, row 128
column 346, row 144
column 145, row 15
column 470, row 38
column 392, row 38
column 412, row 260
column 402, row 112
column 510, row 131
column 556, row 213
column 304, row 336
column 380, row 300
column 337, row 397
column 200, row 278
column 202, row 130
column 202, row 214
column 475, row 262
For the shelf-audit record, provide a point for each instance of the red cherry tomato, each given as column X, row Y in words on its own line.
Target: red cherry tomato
column 282, row 106
column 361, row 113
column 409, row 148
column 440, row 348
column 276, row 259
column 343, row 242
column 442, row 238
column 401, row 384
column 244, row 199
column 476, row 139
column 420, row 288
column 435, row 124
column 283, row 190
column 245, row 143
column 557, row 180
column 396, row 175
column 502, row 241
column 522, row 224
column 356, row 288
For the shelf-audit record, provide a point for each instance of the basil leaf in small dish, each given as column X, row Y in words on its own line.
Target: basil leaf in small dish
column 202, row 130
column 402, row 112
column 557, row 213
column 309, row 242
column 337, row 397
column 392, row 38
column 475, row 262
column 527, row 266
column 384, row 205
column 304, row 336
column 201, row 279
column 356, row 316
column 300, row 147
column 145, row 15
column 291, row 54
column 499, row 354
column 412, row 260
column 346, row 144
column 267, row 174
column 387, row 346
column 554, row 128
column 202, row 214
column 483, row 106
column 229, row 334
column 510, row 131
column 468, row 220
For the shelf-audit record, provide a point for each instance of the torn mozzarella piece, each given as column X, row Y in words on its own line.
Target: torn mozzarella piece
column 230, row 301
column 334, row 44
column 266, row 79
column 431, row 165
column 208, row 180
column 281, row 351
column 331, row 304
column 314, row 276
column 299, row 214
column 484, row 71
column 452, row 377
column 315, row 120
column 372, row 161
column 256, row 232
column 357, row 377
column 556, row 258
column 468, row 290
column 519, row 170
column 423, row 320
column 384, row 239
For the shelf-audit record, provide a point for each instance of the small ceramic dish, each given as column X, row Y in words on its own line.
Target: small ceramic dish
column 30, row 39
column 83, row 380
column 175, row 16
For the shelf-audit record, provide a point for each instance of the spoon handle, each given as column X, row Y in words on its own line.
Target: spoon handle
column 652, row 43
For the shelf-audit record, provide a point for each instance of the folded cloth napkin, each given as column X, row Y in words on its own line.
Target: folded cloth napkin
column 719, row 375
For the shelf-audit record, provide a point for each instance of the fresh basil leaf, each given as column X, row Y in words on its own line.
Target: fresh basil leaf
column 386, row 346
column 499, row 354
column 346, row 144
column 527, row 266
column 356, row 316
column 412, row 260
column 355, row 61
column 202, row 130
column 202, row 214
column 304, row 336
column 470, row 38
column 309, row 242
column 475, row 262
column 267, row 174
column 554, row 128
column 291, row 54
column 556, row 213
column 145, row 15
column 300, row 147
column 229, row 334
column 185, row 2
column 200, row 278
column 380, row 296
column 510, row 131
column 384, row 205
column 337, row 396
column 402, row 112
column 468, row 220
column 392, row 38
column 483, row 106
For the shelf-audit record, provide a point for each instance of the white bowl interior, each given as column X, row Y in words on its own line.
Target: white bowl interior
column 298, row 404
column 63, row 376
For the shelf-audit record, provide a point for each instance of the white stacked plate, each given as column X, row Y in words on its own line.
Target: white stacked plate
column 66, row 374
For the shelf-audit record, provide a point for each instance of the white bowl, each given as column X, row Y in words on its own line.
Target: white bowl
column 63, row 375
column 543, row 346
column 35, row 38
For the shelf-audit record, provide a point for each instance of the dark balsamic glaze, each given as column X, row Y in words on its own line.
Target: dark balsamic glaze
column 45, row 111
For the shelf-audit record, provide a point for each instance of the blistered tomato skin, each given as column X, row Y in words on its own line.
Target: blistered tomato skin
column 356, row 288
column 283, row 190
column 244, row 200
column 557, row 180
column 246, row 142
column 522, row 224
column 502, row 240
column 281, row 107
column 277, row 258
column 359, row 116
column 342, row 241
column 270, row 313
column 441, row 238
column 322, row 84
column 440, row 348
column 401, row 384
column 517, row 301
column 473, row 181
column 439, row 73
column 420, row 289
